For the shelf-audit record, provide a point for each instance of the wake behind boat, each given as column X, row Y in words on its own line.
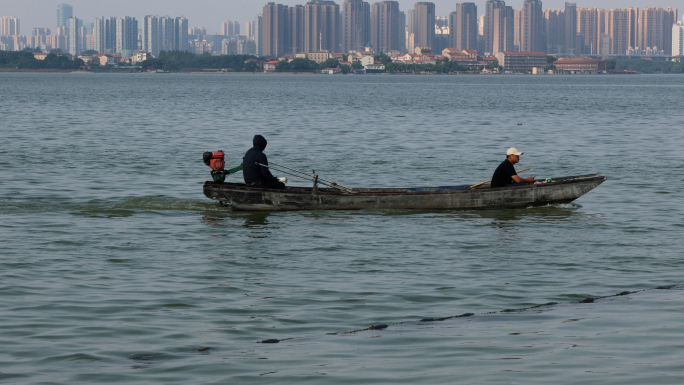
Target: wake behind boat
column 560, row 190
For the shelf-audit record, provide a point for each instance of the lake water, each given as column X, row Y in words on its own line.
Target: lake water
column 115, row 269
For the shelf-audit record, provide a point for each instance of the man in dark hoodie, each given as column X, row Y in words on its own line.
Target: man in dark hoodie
column 255, row 175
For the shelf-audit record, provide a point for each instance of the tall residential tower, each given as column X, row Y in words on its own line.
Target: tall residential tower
column 322, row 26
column 463, row 24
column 532, row 27
column 64, row 13
column 355, row 25
column 387, row 26
column 424, row 24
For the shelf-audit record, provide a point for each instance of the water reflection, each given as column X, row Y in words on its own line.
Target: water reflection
column 257, row 223
column 255, row 220
column 542, row 214
column 533, row 214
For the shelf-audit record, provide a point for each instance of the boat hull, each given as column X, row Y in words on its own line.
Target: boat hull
column 561, row 190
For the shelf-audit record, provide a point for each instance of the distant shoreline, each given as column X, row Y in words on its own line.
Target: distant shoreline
column 124, row 71
column 37, row 70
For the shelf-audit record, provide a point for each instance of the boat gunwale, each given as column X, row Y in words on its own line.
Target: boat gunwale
column 401, row 191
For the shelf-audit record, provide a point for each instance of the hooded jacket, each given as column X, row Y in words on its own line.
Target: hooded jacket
column 252, row 172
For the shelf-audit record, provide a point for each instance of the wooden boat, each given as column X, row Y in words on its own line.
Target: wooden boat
column 560, row 190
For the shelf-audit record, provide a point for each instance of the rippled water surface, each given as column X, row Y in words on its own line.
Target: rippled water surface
column 116, row 269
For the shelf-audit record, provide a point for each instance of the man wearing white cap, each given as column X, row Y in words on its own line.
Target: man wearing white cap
column 505, row 174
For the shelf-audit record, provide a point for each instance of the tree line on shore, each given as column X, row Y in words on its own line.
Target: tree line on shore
column 646, row 66
column 178, row 60
column 26, row 60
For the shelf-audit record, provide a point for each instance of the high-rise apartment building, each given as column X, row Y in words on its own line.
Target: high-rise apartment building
column 258, row 33
column 424, row 24
column 570, row 45
column 126, row 35
column 442, row 37
column 554, row 30
column 463, row 24
column 9, row 26
column 164, row 34
column 519, row 24
column 498, row 26
column 180, row 36
column 64, row 13
column 591, row 25
column 296, row 24
column 39, row 39
column 151, row 42
column 402, row 35
column 230, row 28
column 678, row 39
column 618, row 28
column 75, row 33
column 104, row 35
column 532, row 27
column 655, row 28
column 410, row 17
column 197, row 32
column 322, row 26
column 275, row 40
column 409, row 35
column 618, row 31
column 249, row 30
column 41, row 32
column 355, row 25
column 387, row 26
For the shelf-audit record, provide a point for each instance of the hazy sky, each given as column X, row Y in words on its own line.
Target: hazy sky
column 210, row 13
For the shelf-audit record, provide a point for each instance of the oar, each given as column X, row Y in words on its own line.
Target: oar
column 487, row 181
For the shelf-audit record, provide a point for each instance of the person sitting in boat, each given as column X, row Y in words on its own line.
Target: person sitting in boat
column 254, row 174
column 505, row 175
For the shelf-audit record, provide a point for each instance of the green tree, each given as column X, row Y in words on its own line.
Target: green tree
column 382, row 58
column 493, row 65
column 251, row 66
column 330, row 63
column 283, row 66
column 152, row 62
column 26, row 60
column 302, row 65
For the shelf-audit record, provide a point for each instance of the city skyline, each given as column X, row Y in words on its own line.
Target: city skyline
column 208, row 14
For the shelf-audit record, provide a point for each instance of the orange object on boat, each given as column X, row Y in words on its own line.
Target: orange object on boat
column 215, row 160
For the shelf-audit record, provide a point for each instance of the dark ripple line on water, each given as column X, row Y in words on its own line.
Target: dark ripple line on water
column 543, row 307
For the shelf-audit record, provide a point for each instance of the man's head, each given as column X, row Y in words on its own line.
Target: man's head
column 513, row 155
column 259, row 142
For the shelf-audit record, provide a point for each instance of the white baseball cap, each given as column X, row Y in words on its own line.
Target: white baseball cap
column 513, row 151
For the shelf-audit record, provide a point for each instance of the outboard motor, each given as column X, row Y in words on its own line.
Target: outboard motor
column 216, row 160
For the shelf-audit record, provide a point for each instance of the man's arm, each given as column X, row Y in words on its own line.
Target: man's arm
column 518, row 179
